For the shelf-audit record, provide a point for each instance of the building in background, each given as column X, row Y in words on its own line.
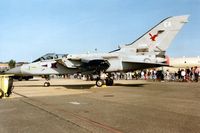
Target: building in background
column 3, row 67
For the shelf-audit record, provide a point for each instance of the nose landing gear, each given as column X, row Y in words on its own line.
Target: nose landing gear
column 47, row 84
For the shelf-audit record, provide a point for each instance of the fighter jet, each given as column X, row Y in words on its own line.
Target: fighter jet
column 148, row 51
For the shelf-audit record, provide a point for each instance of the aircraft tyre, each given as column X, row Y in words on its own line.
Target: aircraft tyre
column 109, row 82
column 46, row 84
column 99, row 82
column 1, row 93
column 26, row 79
column 20, row 78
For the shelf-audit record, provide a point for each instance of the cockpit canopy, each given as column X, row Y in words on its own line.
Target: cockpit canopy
column 50, row 56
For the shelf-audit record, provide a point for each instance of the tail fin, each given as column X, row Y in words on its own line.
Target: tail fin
column 159, row 37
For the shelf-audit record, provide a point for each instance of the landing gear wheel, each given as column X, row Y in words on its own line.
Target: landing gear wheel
column 46, row 84
column 20, row 78
column 109, row 82
column 1, row 93
column 99, row 82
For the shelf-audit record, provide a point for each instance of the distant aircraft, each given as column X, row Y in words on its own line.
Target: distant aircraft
column 147, row 51
column 184, row 62
column 177, row 63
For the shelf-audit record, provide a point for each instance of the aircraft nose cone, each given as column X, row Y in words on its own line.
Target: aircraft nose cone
column 16, row 70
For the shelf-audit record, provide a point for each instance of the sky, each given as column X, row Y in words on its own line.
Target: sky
column 32, row 28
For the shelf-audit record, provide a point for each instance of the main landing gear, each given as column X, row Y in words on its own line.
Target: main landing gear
column 104, row 80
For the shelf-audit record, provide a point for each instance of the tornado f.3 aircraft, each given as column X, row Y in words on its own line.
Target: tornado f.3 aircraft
column 148, row 51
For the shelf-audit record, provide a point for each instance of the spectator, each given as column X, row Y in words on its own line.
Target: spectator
column 179, row 74
column 167, row 75
column 142, row 74
column 183, row 74
column 176, row 75
column 187, row 76
column 154, row 74
column 196, row 74
column 191, row 74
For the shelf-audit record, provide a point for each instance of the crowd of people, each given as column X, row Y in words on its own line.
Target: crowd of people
column 185, row 75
